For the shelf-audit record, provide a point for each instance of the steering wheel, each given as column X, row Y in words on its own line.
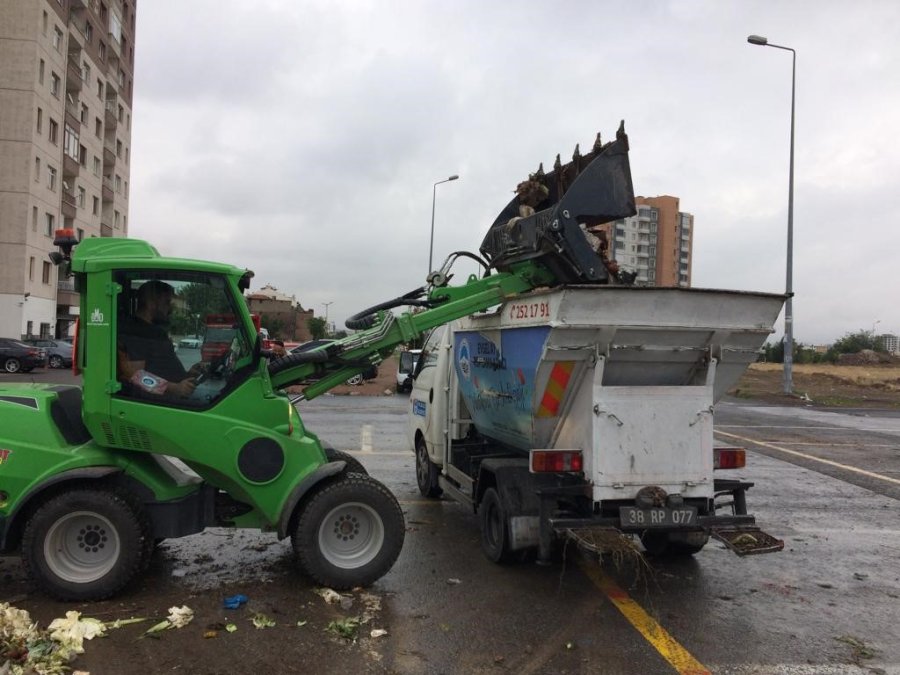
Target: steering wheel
column 220, row 365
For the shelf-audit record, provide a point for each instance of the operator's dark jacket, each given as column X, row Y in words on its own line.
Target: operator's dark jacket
column 150, row 343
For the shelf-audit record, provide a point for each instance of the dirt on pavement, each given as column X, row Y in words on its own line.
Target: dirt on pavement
column 825, row 385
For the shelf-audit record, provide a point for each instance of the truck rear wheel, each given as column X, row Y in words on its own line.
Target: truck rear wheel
column 426, row 472
column 494, row 528
column 349, row 533
column 674, row 543
column 85, row 544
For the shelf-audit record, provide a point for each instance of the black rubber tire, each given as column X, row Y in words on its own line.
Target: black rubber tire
column 56, row 361
column 673, row 544
column 494, row 529
column 338, row 511
column 353, row 464
column 355, row 380
column 76, row 526
column 427, row 472
column 12, row 365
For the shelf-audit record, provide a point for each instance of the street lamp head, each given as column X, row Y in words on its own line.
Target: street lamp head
column 757, row 40
column 453, row 177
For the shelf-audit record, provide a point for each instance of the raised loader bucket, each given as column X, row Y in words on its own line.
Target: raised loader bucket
column 541, row 223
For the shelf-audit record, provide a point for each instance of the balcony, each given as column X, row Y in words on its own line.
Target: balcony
column 107, row 190
column 66, row 295
column 110, row 119
column 69, row 204
column 73, row 76
column 109, row 155
column 71, row 168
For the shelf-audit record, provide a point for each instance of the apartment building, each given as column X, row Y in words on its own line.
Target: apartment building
column 66, row 88
column 656, row 243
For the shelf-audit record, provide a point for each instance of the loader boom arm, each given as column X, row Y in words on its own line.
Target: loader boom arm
column 535, row 241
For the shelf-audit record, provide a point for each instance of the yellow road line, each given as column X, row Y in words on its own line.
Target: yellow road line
column 812, row 458
column 677, row 656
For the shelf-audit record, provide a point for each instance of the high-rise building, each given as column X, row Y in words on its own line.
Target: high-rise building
column 66, row 86
column 657, row 243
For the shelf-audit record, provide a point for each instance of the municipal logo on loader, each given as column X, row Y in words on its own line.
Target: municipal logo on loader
column 4, row 455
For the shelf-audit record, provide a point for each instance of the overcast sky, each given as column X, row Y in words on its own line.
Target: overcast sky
column 302, row 139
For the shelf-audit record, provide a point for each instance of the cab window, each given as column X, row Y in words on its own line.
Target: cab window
column 180, row 339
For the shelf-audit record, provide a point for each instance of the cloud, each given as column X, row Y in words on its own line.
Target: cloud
column 303, row 139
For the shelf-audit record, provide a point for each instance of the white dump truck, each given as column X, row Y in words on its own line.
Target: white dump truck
column 589, row 409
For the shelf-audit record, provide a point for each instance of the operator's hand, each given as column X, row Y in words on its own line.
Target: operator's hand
column 199, row 368
column 182, row 389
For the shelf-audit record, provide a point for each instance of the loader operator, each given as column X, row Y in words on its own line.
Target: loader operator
column 146, row 355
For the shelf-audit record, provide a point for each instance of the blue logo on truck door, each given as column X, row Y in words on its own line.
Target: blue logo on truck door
column 418, row 407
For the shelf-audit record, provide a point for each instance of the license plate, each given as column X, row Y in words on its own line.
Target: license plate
column 657, row 517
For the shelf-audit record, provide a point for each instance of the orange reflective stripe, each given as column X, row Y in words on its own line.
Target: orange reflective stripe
column 556, row 388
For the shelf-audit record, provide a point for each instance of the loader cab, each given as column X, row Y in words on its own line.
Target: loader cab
column 155, row 310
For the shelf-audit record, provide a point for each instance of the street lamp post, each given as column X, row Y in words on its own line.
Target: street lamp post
column 789, row 285
column 433, row 199
column 326, row 314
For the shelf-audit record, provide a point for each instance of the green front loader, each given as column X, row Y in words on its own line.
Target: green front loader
column 92, row 477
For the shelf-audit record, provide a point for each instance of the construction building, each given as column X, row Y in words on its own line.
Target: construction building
column 656, row 243
column 66, row 87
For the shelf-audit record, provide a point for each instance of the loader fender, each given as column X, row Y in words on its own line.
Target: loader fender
column 320, row 474
column 10, row 527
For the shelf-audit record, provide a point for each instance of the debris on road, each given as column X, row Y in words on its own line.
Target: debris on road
column 179, row 617
column 345, row 628
column 234, row 601
column 260, row 620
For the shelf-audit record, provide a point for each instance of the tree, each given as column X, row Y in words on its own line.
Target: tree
column 851, row 343
column 317, row 327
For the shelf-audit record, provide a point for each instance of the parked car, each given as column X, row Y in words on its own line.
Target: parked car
column 16, row 356
column 59, row 352
column 189, row 343
column 369, row 373
column 406, row 368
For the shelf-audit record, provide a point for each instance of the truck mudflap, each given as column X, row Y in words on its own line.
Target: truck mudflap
column 747, row 540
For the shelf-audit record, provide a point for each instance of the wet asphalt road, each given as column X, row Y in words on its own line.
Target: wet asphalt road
column 827, row 483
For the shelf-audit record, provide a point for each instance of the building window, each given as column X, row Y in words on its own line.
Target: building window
column 49, row 224
column 118, row 184
column 88, row 32
column 34, row 217
column 57, row 38
column 51, row 178
column 37, row 169
column 44, row 24
column 118, row 148
column 95, row 208
column 96, row 166
column 31, row 268
column 86, row 72
column 80, row 234
column 98, row 127
column 84, row 114
column 125, row 224
column 40, row 120
column 41, row 72
column 126, row 189
column 116, row 219
column 71, row 143
column 82, row 197
column 99, row 88
column 102, row 50
column 53, row 133
column 45, row 278
column 82, row 155
column 54, row 84
column 126, row 155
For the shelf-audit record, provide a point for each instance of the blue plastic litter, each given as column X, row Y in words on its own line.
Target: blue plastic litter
column 234, row 601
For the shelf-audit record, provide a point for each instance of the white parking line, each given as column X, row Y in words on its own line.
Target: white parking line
column 812, row 458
